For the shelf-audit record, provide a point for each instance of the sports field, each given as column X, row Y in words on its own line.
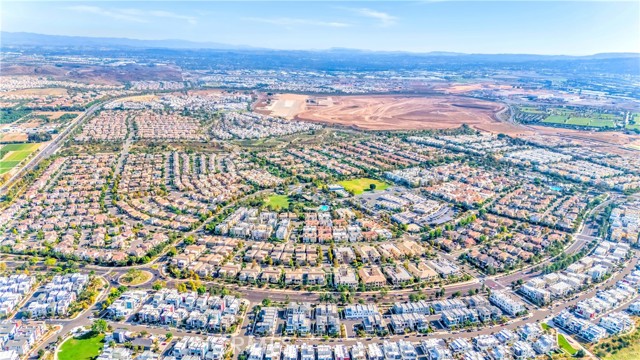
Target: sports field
column 85, row 347
column 13, row 154
column 358, row 186
column 599, row 122
column 277, row 202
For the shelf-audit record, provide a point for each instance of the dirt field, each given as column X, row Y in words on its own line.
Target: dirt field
column 287, row 105
column 465, row 88
column 39, row 92
column 14, row 137
column 401, row 112
column 140, row 98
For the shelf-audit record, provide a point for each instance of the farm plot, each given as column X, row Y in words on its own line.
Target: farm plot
column 12, row 155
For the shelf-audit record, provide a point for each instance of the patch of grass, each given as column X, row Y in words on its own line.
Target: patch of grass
column 620, row 347
column 85, row 347
column 564, row 345
column 13, row 154
column 634, row 126
column 531, row 110
column 135, row 277
column 545, row 326
column 555, row 119
column 358, row 186
column 277, row 202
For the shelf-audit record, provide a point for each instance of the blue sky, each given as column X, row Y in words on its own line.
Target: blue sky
column 534, row 27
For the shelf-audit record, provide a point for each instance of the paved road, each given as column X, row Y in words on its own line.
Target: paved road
column 49, row 148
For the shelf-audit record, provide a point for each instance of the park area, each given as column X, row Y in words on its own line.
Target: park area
column 277, row 202
column 594, row 120
column 358, row 186
column 83, row 347
column 12, row 155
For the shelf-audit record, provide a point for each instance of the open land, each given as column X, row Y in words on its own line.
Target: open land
column 402, row 112
column 287, row 105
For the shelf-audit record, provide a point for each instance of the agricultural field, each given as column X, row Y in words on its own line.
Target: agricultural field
column 277, row 202
column 358, row 186
column 13, row 154
column 84, row 347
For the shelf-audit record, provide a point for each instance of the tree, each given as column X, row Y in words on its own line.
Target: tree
column 99, row 326
column 3, row 266
column 50, row 262
column 372, row 187
column 157, row 285
column 169, row 336
column 266, row 302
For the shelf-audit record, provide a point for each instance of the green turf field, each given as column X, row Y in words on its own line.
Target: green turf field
column 555, row 119
column 580, row 121
column 12, row 154
column 358, row 186
column 277, row 202
column 531, row 110
column 564, row 345
column 85, row 347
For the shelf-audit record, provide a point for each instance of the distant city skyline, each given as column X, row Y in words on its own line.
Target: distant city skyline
column 490, row 27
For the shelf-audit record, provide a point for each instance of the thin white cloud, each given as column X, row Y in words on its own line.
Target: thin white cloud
column 288, row 22
column 132, row 15
column 114, row 14
column 166, row 14
column 383, row 18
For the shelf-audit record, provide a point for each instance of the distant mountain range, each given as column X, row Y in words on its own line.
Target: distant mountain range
column 25, row 39
column 15, row 39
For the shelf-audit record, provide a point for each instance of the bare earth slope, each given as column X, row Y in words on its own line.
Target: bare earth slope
column 401, row 112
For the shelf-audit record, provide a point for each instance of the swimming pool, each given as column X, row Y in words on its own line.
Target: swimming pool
column 324, row 208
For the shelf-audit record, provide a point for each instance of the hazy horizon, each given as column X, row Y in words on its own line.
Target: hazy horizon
column 474, row 27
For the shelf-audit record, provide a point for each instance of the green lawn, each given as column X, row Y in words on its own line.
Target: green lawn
column 358, row 186
column 135, row 277
column 555, row 119
column 564, row 344
column 85, row 347
column 634, row 126
column 13, row 154
column 545, row 326
column 531, row 110
column 580, row 121
column 277, row 202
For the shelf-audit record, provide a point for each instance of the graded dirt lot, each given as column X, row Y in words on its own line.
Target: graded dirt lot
column 13, row 137
column 287, row 105
column 39, row 92
column 401, row 112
